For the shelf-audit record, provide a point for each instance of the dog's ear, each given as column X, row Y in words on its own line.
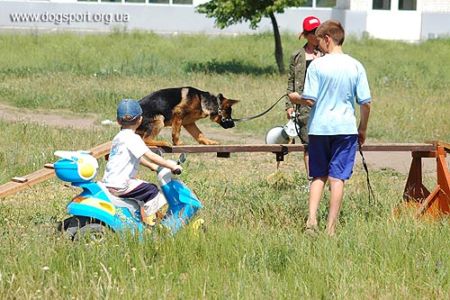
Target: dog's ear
column 232, row 102
column 225, row 101
column 229, row 102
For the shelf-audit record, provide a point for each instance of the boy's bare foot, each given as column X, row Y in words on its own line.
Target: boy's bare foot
column 311, row 230
column 330, row 232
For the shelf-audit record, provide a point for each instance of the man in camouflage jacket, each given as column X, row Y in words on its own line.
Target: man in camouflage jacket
column 298, row 65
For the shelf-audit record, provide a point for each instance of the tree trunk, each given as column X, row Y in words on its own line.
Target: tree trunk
column 278, row 46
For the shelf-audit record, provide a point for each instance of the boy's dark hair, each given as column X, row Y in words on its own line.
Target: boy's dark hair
column 127, row 121
column 129, row 112
column 333, row 29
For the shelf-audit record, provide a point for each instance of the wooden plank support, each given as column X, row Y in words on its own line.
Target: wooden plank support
column 427, row 202
column 20, row 183
column 223, row 154
column 19, row 179
column 100, row 150
column 414, row 188
column 400, row 147
column 280, row 155
column 230, row 148
column 31, row 179
column 439, row 199
column 275, row 148
column 445, row 145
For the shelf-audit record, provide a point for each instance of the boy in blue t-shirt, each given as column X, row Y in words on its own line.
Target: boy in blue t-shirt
column 332, row 84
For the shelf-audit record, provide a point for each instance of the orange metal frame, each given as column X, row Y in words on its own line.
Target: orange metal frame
column 436, row 202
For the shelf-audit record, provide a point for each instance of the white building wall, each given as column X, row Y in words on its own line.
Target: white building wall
column 394, row 24
column 357, row 16
column 436, row 6
column 397, row 25
column 343, row 4
column 360, row 5
column 198, row 2
column 422, row 5
column 194, row 2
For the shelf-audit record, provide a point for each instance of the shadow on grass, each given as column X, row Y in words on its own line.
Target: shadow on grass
column 231, row 66
column 20, row 71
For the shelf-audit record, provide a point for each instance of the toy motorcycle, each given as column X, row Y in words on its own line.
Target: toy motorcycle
column 95, row 209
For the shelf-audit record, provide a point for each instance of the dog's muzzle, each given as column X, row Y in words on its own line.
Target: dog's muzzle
column 227, row 123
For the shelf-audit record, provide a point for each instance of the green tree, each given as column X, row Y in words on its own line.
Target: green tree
column 229, row 12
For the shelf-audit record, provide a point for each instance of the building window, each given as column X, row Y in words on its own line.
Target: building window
column 407, row 5
column 325, row 3
column 381, row 4
column 319, row 3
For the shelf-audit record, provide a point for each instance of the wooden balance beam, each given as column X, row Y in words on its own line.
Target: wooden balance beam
column 415, row 191
column 227, row 149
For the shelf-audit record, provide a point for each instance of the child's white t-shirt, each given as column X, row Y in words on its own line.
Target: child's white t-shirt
column 126, row 151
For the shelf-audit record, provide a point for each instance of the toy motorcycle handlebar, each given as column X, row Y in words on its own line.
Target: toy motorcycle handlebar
column 177, row 172
column 181, row 159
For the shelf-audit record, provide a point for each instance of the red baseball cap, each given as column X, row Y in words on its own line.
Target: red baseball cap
column 309, row 24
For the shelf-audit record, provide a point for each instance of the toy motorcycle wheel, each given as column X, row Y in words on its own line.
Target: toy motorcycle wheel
column 77, row 228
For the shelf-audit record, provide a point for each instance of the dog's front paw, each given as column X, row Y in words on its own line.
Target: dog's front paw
column 205, row 141
column 157, row 143
column 178, row 143
column 165, row 144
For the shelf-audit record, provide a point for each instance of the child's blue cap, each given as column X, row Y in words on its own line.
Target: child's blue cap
column 128, row 110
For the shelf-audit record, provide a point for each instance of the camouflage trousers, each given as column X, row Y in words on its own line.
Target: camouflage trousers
column 302, row 122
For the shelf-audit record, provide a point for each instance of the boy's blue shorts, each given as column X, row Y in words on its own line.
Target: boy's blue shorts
column 332, row 155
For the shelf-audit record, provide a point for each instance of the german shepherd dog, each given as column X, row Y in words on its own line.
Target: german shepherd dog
column 182, row 106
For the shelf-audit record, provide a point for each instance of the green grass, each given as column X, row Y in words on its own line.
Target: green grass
column 91, row 73
column 254, row 247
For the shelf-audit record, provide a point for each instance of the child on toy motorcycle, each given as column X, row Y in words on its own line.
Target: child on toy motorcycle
column 127, row 152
